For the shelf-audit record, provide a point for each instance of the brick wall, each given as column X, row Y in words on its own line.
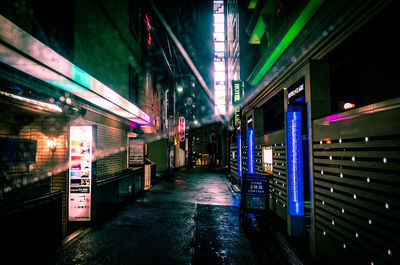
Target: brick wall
column 49, row 173
column 111, row 145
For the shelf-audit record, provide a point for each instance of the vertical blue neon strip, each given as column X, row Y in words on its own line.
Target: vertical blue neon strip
column 250, row 150
column 294, row 163
column 239, row 152
column 309, row 166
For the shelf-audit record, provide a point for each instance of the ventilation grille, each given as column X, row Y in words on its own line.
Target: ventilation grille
column 277, row 182
column 244, row 156
column 357, row 196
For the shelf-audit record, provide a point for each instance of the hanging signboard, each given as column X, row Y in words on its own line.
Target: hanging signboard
column 181, row 129
column 237, row 91
column 80, row 173
column 237, row 117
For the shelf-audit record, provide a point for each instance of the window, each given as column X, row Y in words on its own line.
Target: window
column 362, row 68
column 273, row 113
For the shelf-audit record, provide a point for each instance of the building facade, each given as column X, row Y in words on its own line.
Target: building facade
column 63, row 76
column 319, row 119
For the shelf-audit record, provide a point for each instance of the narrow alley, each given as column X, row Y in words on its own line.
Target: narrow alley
column 191, row 218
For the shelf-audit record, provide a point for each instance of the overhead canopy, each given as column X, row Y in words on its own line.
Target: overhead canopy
column 22, row 51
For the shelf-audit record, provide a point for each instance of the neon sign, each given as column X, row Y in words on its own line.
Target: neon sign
column 148, row 30
column 250, row 150
column 294, row 164
column 181, row 129
column 239, row 161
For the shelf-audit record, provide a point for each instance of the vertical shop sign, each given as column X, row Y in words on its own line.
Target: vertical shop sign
column 237, row 91
column 181, row 129
column 80, row 173
column 219, row 58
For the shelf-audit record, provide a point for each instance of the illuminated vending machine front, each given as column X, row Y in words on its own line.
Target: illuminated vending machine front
column 80, row 173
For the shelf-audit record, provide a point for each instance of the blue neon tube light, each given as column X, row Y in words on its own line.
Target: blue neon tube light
column 250, row 150
column 294, row 163
column 239, row 151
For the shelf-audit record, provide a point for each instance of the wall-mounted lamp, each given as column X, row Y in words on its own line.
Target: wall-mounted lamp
column 52, row 144
column 348, row 105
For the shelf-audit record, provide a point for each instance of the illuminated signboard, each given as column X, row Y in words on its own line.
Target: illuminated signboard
column 80, row 173
column 254, row 193
column 237, row 90
column 267, row 159
column 219, row 57
column 294, row 163
column 237, row 117
column 181, row 129
column 296, row 91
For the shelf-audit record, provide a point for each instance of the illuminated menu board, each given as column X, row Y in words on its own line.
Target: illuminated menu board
column 80, row 173
column 267, row 159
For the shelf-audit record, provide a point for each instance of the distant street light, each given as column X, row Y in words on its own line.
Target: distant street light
column 179, row 89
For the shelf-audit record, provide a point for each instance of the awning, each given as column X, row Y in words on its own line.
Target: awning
column 23, row 52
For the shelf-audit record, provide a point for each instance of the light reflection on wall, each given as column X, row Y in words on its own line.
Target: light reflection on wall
column 32, row 57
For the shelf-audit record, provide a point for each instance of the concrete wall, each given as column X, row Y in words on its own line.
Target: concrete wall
column 158, row 154
column 103, row 44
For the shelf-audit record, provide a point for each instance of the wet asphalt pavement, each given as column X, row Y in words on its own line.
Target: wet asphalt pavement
column 191, row 218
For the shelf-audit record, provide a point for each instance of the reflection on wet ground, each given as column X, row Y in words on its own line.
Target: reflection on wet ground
column 204, row 188
column 190, row 218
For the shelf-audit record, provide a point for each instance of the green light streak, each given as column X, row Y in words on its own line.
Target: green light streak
column 257, row 32
column 292, row 33
column 252, row 4
column 67, row 85
column 81, row 76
